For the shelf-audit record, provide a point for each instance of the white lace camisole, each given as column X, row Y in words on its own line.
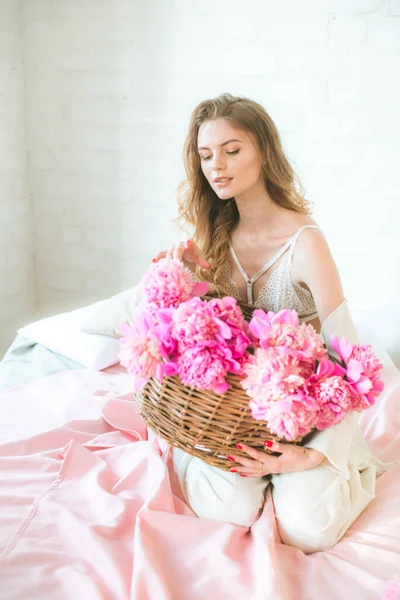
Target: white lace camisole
column 281, row 290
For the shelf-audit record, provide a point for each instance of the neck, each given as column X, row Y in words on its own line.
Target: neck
column 258, row 213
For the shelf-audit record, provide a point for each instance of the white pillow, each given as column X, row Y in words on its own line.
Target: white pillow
column 61, row 333
column 106, row 316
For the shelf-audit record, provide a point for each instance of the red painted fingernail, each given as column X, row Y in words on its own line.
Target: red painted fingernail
column 268, row 443
column 153, row 260
column 239, row 446
column 233, row 470
column 243, row 475
column 230, row 458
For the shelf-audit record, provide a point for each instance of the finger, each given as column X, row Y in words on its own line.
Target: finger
column 194, row 255
column 178, row 251
column 159, row 256
column 170, row 253
column 256, row 454
column 273, row 464
column 275, row 446
column 283, row 448
column 204, row 264
column 249, row 472
column 241, row 461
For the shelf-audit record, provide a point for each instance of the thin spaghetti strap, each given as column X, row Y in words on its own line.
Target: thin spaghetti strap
column 298, row 232
column 251, row 280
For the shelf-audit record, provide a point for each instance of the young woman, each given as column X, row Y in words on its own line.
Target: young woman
column 254, row 239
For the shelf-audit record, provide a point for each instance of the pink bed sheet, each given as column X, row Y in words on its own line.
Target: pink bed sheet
column 90, row 508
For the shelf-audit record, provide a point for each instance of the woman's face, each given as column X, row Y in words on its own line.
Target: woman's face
column 228, row 152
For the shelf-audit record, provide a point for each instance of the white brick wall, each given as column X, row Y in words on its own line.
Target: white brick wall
column 16, row 294
column 110, row 85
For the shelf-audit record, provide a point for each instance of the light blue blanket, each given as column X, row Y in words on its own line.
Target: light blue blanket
column 26, row 361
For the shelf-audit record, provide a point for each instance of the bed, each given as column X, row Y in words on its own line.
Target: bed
column 90, row 506
column 27, row 360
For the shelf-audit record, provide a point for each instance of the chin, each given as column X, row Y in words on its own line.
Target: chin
column 225, row 194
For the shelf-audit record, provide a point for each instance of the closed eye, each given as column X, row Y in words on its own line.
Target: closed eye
column 234, row 152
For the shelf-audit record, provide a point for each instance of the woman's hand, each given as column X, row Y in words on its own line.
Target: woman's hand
column 187, row 252
column 292, row 458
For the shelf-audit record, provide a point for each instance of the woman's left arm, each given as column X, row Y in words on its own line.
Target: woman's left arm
column 313, row 265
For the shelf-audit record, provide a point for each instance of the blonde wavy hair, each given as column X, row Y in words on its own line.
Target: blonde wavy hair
column 212, row 220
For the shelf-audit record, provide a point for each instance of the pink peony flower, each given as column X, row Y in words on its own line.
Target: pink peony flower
column 228, row 311
column 168, row 283
column 141, row 351
column 262, row 322
column 332, row 393
column 362, row 369
column 204, row 368
column 290, row 417
column 273, row 374
column 194, row 322
column 284, row 330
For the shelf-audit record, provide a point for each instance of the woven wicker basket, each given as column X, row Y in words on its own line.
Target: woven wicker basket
column 203, row 423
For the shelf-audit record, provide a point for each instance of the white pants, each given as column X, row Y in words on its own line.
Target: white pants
column 313, row 508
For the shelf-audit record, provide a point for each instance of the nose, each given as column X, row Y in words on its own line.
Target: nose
column 217, row 164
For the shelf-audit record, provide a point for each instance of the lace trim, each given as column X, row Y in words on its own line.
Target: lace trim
column 271, row 296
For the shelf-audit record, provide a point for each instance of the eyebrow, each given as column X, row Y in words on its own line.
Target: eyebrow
column 224, row 144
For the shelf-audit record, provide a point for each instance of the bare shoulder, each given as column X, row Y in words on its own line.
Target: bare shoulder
column 300, row 220
column 287, row 223
column 311, row 247
column 314, row 267
column 293, row 221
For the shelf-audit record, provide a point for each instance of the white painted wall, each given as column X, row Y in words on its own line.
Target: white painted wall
column 16, row 259
column 110, row 86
